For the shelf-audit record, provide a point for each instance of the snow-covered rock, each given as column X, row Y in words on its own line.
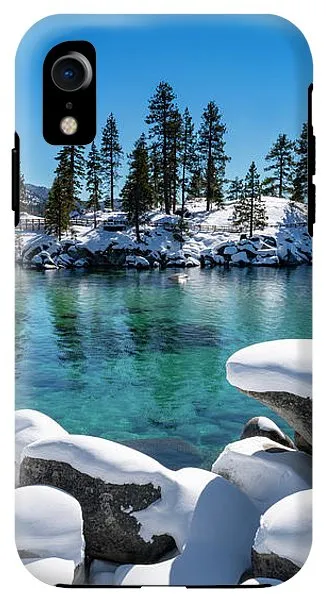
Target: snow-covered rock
column 279, row 374
column 264, row 470
column 218, row 548
column 230, row 250
column 52, row 570
column 116, row 487
column 37, row 261
column 262, row 426
column 137, row 262
column 283, row 540
column 30, row 426
column 49, row 525
column 266, row 261
column 81, row 263
column 240, row 258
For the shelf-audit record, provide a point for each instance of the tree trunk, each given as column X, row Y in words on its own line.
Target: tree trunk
column 111, row 178
column 251, row 214
column 165, row 174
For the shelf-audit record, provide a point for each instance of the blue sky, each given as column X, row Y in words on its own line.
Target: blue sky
column 257, row 69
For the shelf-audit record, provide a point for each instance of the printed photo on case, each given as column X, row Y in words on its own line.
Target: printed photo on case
column 163, row 308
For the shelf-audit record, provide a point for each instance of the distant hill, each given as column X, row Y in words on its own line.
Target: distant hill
column 37, row 196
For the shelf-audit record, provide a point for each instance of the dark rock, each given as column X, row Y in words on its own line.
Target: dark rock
column 264, row 427
column 273, row 566
column 111, row 533
column 301, row 443
column 295, row 410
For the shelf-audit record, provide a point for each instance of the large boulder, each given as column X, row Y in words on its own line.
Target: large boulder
column 278, row 374
column 218, row 547
column 113, row 484
column 49, row 533
column 30, row 426
column 283, row 540
column 262, row 426
column 264, row 470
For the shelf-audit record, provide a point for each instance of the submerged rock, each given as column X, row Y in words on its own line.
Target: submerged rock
column 283, row 540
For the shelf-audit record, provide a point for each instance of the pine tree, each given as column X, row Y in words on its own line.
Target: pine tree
column 155, row 166
column 280, row 158
column 111, row 156
column 196, row 186
column 250, row 209
column 22, row 192
column 161, row 113
column 94, row 181
column 71, row 160
column 300, row 177
column 188, row 153
column 174, row 148
column 268, row 186
column 57, row 208
column 235, row 190
column 211, row 145
column 137, row 194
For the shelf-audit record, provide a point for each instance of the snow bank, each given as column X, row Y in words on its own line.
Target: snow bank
column 52, row 571
column 264, row 470
column 279, row 366
column 218, row 549
column 48, row 524
column 30, row 426
column 286, row 528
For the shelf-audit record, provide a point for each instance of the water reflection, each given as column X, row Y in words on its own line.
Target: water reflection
column 134, row 355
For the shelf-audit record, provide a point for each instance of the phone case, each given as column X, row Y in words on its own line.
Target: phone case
column 163, row 307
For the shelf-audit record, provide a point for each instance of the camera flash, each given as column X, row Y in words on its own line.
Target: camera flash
column 68, row 125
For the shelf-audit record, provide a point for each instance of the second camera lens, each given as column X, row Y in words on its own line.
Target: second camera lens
column 71, row 72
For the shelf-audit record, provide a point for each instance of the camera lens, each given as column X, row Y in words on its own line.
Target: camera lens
column 71, row 72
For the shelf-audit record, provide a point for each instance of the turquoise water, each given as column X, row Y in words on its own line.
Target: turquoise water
column 132, row 356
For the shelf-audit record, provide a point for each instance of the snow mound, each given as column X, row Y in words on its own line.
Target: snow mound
column 286, row 528
column 223, row 515
column 48, row 524
column 30, row 426
column 264, row 470
column 52, row 571
column 278, row 366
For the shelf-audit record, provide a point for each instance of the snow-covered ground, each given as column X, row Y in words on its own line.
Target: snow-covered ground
column 210, row 240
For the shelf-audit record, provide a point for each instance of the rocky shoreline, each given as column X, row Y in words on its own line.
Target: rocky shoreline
column 160, row 248
column 92, row 511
